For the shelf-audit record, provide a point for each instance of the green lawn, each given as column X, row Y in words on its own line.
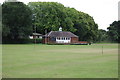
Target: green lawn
column 60, row 61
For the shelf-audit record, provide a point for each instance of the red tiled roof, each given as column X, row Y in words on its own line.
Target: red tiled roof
column 60, row 34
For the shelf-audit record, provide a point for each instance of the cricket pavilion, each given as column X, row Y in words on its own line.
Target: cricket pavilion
column 60, row 37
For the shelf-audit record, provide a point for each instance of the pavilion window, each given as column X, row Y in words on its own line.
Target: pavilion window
column 66, row 38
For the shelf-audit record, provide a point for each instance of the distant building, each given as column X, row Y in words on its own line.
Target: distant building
column 35, row 36
column 59, row 37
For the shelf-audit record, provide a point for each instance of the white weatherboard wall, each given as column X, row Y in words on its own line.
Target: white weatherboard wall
column 63, row 40
column 37, row 37
column 31, row 37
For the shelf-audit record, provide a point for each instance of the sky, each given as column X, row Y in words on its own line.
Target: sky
column 119, row 11
column 104, row 12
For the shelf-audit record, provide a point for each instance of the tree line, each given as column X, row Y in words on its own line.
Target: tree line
column 20, row 20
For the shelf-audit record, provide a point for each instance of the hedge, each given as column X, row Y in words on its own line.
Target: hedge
column 20, row 41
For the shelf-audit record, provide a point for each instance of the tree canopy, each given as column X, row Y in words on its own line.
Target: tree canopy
column 102, row 36
column 51, row 15
column 20, row 20
column 16, row 20
column 114, row 31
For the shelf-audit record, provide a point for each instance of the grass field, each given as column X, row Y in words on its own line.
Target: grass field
column 60, row 61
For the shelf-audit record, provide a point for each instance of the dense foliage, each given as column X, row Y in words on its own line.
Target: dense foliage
column 16, row 20
column 50, row 16
column 20, row 20
column 102, row 36
column 114, row 31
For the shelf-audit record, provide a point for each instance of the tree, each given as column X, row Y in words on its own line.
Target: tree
column 85, row 26
column 16, row 20
column 88, row 27
column 114, row 31
column 102, row 35
column 51, row 15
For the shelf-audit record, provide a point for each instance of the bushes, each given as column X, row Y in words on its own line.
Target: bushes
column 20, row 41
column 37, row 40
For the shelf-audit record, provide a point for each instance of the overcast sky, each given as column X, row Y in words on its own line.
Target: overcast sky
column 104, row 12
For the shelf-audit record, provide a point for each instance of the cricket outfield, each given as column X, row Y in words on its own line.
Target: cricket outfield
column 59, row 61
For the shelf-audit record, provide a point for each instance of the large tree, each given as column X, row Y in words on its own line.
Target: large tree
column 114, row 31
column 102, row 35
column 16, row 20
column 51, row 15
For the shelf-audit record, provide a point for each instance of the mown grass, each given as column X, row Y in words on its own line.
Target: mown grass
column 60, row 61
